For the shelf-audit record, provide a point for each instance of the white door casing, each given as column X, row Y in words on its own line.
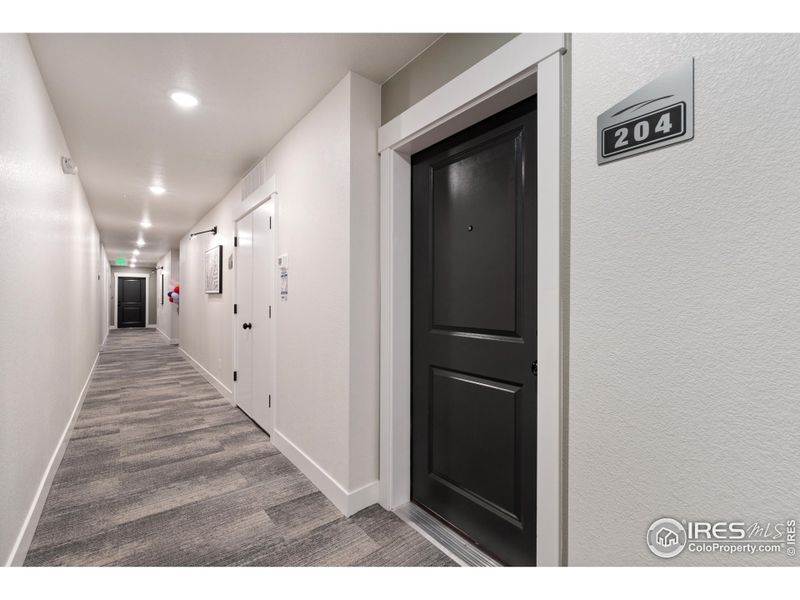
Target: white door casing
column 262, row 315
column 254, row 347
column 243, row 357
column 146, row 278
column 527, row 64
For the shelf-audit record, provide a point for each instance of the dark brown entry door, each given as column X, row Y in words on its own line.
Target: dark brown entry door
column 474, row 332
column 131, row 302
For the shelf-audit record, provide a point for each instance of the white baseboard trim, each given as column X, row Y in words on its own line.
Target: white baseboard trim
column 173, row 341
column 151, row 326
column 365, row 496
column 220, row 387
column 112, row 326
column 105, row 337
column 348, row 503
column 20, row 549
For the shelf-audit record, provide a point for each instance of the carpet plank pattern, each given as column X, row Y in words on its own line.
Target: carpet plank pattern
column 161, row 470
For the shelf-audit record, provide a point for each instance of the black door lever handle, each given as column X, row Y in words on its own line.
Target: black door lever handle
column 247, row 326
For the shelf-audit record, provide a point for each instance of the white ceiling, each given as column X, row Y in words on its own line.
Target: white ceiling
column 111, row 96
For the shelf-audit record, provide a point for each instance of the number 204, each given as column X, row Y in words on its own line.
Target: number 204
column 641, row 130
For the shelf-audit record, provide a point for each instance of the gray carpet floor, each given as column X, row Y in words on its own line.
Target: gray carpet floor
column 161, row 470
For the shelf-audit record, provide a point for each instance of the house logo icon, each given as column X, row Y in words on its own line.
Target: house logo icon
column 666, row 537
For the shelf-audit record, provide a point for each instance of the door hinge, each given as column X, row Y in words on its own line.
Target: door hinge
column 234, row 375
column 270, row 311
column 269, row 401
column 235, row 241
column 535, row 368
column 235, row 309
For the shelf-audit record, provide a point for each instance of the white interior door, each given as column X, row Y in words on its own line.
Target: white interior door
column 262, row 316
column 243, row 358
column 254, row 388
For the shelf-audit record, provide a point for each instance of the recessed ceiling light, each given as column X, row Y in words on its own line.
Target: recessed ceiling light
column 135, row 252
column 184, row 99
column 140, row 242
column 146, row 223
column 157, row 190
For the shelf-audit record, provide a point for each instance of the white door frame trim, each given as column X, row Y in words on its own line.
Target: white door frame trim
column 268, row 191
column 146, row 277
column 528, row 63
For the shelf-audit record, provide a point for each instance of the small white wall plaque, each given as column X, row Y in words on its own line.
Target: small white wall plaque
column 283, row 267
column 658, row 114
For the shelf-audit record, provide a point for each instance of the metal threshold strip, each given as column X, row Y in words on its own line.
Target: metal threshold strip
column 451, row 543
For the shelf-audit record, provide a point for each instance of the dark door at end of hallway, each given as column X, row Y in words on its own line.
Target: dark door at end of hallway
column 473, row 326
column 131, row 302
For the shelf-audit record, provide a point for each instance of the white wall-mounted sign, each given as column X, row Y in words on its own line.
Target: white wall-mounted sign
column 283, row 267
column 656, row 115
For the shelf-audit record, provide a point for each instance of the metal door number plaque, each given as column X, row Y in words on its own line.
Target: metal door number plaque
column 657, row 115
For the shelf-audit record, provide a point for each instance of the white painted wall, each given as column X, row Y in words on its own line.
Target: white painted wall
column 207, row 332
column 364, row 292
column 167, row 317
column 685, row 336
column 106, row 282
column 175, row 279
column 53, row 294
column 326, row 169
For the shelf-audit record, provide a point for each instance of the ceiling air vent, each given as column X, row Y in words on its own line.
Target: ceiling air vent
column 254, row 180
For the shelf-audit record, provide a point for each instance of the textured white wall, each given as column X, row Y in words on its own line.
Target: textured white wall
column 312, row 169
column 167, row 314
column 105, row 294
column 365, row 302
column 685, row 302
column 326, row 405
column 173, row 280
column 53, row 301
column 164, row 312
column 207, row 332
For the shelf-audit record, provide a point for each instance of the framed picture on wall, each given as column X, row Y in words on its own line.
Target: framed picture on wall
column 214, row 270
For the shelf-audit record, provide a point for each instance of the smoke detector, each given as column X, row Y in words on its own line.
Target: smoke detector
column 68, row 166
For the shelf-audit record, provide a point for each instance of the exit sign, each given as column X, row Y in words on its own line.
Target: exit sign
column 121, row 262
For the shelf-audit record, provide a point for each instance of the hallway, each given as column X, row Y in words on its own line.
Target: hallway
column 161, row 470
column 358, row 297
